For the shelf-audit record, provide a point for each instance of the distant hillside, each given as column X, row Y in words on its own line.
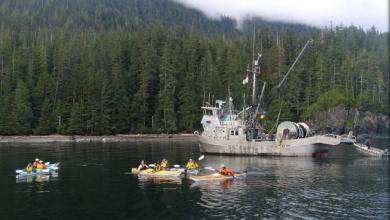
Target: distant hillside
column 146, row 66
column 121, row 15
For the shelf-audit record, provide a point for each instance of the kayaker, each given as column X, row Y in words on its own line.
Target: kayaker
column 164, row 164
column 35, row 164
column 192, row 164
column 157, row 167
column 29, row 168
column 142, row 166
column 225, row 171
column 41, row 165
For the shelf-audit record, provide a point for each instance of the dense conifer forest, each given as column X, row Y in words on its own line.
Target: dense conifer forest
column 144, row 66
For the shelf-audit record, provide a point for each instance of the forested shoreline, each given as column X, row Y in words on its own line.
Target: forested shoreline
column 154, row 79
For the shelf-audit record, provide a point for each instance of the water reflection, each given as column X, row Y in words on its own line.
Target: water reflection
column 297, row 187
column 223, row 184
column 143, row 180
column 39, row 178
column 343, row 185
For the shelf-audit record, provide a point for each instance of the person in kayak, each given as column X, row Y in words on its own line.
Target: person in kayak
column 29, row 168
column 164, row 164
column 142, row 166
column 225, row 171
column 192, row 165
column 35, row 164
column 41, row 165
column 157, row 167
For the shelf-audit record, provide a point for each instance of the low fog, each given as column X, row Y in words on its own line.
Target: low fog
column 363, row 13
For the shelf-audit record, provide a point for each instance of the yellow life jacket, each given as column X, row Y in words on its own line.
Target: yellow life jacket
column 164, row 164
column 40, row 166
column 29, row 169
column 192, row 165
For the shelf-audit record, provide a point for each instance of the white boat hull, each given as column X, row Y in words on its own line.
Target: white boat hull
column 296, row 147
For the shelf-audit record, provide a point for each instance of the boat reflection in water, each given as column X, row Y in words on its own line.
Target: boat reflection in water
column 143, row 180
column 290, row 185
column 266, row 175
column 39, row 178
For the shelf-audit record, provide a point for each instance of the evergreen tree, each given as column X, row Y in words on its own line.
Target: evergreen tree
column 47, row 122
column 75, row 121
column 166, row 113
column 21, row 114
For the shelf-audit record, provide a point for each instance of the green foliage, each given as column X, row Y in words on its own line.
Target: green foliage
column 117, row 66
column 325, row 101
column 47, row 121
column 75, row 122
column 21, row 114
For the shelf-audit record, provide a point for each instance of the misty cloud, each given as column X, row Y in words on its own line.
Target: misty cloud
column 364, row 13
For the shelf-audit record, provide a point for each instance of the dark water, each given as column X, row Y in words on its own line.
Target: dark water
column 94, row 183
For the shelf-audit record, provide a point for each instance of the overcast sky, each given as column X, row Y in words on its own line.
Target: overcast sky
column 320, row 13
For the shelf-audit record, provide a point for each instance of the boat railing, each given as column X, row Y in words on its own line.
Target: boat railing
column 229, row 123
column 333, row 136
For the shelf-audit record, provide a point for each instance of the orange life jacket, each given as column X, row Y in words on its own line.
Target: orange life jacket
column 226, row 171
column 39, row 166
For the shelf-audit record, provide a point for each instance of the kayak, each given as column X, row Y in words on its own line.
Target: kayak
column 216, row 176
column 51, row 168
column 151, row 172
column 160, row 179
column 36, row 178
column 182, row 170
column 193, row 171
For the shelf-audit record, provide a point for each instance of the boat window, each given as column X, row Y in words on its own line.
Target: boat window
column 209, row 112
column 236, row 132
column 231, row 132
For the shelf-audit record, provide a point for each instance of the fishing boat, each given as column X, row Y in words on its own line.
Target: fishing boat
column 229, row 131
column 348, row 139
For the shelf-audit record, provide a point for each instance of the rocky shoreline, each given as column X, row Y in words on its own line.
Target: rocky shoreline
column 96, row 139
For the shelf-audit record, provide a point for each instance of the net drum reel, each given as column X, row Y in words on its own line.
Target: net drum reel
column 291, row 130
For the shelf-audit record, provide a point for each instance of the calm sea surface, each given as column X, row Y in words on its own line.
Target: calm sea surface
column 94, row 183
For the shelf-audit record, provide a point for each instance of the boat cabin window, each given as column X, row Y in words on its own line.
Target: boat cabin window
column 234, row 132
column 208, row 112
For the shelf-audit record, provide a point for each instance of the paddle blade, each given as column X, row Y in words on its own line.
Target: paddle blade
column 209, row 168
column 201, row 157
column 176, row 166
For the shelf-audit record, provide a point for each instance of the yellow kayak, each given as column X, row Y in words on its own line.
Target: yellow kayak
column 151, row 172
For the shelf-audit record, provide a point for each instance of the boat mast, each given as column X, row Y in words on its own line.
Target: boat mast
column 253, row 68
column 296, row 60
